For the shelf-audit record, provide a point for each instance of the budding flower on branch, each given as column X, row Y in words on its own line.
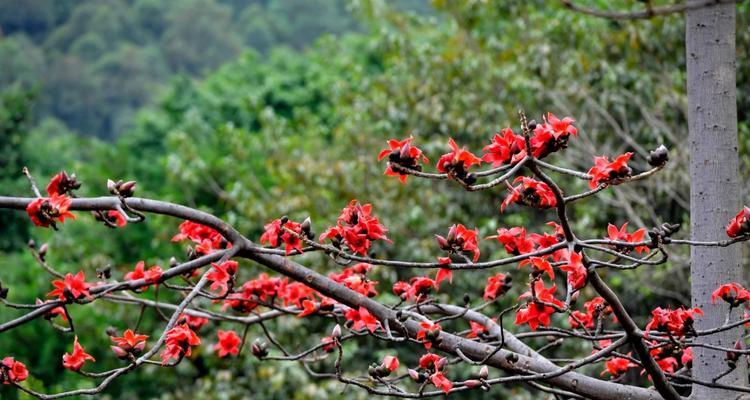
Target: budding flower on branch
column 658, row 156
column 404, row 154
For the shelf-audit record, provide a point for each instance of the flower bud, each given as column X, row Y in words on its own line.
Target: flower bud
column 111, row 331
column 336, row 332
column 532, row 124
column 127, row 189
column 442, row 242
column 470, row 179
column 483, row 372
column 119, row 352
column 658, row 157
column 31, row 243
column 3, row 292
column 415, row 376
column 472, row 383
column 259, row 348
column 441, row 363
column 43, row 250
column 111, row 186
column 172, row 262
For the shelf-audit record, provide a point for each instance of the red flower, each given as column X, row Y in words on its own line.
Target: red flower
column 432, row 362
column 617, row 366
column 404, row 154
column 116, row 218
column 277, row 232
column 194, row 323
column 676, row 322
column 44, row 211
column 75, row 361
column 12, row 371
column 506, row 148
column 579, row 319
column 207, row 239
column 577, row 273
column 740, row 224
column 178, row 343
column 540, row 266
column 152, row 275
column 390, row 363
column 458, row 161
column 220, row 276
column 622, row 235
column 62, row 184
column 536, row 313
column 229, row 343
column 73, row 287
column 687, row 357
column 605, row 171
column 428, row 333
column 441, row 382
column 362, row 318
column 497, row 285
column 460, row 239
column 552, row 135
column 357, row 228
column 514, row 240
column 355, row 278
column 130, row 342
column 477, row 330
column 733, row 293
column 531, row 193
column 418, row 288
column 53, row 312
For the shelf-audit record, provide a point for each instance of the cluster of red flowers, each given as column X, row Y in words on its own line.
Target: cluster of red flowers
column 403, row 153
column 458, row 161
column 577, row 272
column 221, row 276
column 676, row 322
column 622, row 235
column 733, row 293
column 356, row 228
column 285, row 231
column 229, row 343
column 530, row 192
column 506, row 147
column 478, row 330
column 355, row 278
column 361, row 318
column 417, row 288
column 72, row 287
column 596, row 308
column 195, row 323
column 432, row 368
column 551, row 135
column 12, row 371
column 605, row 171
column 179, row 343
column 151, row 275
column 428, row 333
column 516, row 242
column 75, row 360
column 207, row 239
column 497, row 285
column 130, row 343
column 540, row 306
column 740, row 224
column 617, row 366
column 44, row 211
column 460, row 239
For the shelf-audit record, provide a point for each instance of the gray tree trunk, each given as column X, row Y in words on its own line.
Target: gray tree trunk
column 714, row 174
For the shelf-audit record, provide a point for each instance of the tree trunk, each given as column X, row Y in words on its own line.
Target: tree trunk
column 714, row 175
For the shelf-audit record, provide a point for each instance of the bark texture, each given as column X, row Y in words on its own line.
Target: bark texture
column 714, row 174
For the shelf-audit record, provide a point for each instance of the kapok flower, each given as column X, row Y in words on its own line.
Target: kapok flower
column 46, row 211
column 12, row 371
column 355, row 278
column 207, row 239
column 458, row 161
column 536, row 312
column 278, row 231
column 552, row 135
column 505, row 147
column 53, row 312
column 116, row 218
column 390, row 363
column 540, row 266
column 221, row 275
column 402, row 153
column 605, row 171
column 418, row 288
column 514, row 240
column 152, row 275
column 740, row 224
column 617, row 366
column 577, row 272
column 676, row 322
column 62, row 184
column 129, row 343
column 179, row 342
column 195, row 323
column 733, row 293
column 361, row 318
column 356, row 228
column 497, row 285
column 72, row 287
column 530, row 192
column 74, row 361
column 622, row 235
column 229, row 343
column 428, row 333
column 460, row 239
